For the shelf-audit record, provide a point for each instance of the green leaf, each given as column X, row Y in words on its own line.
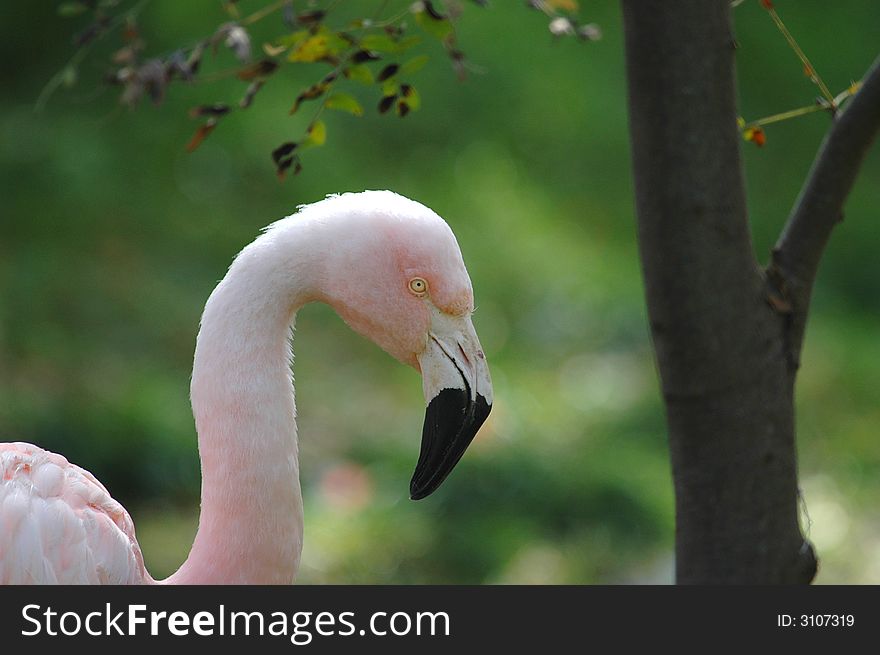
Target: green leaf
column 390, row 87
column 384, row 43
column 437, row 26
column 345, row 102
column 292, row 39
column 359, row 73
column 378, row 42
column 315, row 136
column 414, row 65
column 72, row 8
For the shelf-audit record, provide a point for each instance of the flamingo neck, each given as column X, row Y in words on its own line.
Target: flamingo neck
column 251, row 521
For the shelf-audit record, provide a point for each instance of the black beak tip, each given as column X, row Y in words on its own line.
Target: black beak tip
column 417, row 494
column 451, row 422
column 419, row 488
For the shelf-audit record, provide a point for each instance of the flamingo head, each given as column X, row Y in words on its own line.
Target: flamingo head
column 399, row 279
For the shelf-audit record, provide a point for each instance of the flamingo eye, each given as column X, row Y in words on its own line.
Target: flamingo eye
column 418, row 286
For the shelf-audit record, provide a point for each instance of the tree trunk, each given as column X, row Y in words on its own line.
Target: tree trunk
column 720, row 326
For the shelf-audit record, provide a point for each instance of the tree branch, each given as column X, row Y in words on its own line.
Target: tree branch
column 819, row 207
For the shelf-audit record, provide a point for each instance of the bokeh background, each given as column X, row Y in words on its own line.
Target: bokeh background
column 112, row 237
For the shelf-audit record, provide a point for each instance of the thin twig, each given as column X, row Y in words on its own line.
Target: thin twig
column 820, row 105
column 262, row 13
column 58, row 78
column 785, row 115
column 808, row 67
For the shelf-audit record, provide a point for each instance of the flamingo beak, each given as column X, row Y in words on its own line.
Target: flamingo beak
column 458, row 394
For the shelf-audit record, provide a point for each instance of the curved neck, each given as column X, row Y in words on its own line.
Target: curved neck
column 250, row 526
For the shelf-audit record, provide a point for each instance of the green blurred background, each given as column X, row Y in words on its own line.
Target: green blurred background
column 112, row 237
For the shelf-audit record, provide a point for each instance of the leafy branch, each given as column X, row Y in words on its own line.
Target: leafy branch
column 375, row 54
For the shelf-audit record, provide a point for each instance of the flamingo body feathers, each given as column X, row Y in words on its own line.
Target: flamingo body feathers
column 59, row 525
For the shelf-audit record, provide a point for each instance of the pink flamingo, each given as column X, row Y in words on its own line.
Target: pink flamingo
column 393, row 270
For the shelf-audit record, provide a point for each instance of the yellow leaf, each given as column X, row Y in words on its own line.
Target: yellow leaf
column 411, row 97
column 359, row 73
column 345, row 102
column 316, row 135
column 312, row 49
column 315, row 47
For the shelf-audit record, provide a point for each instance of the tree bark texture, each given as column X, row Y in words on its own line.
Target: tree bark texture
column 721, row 341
